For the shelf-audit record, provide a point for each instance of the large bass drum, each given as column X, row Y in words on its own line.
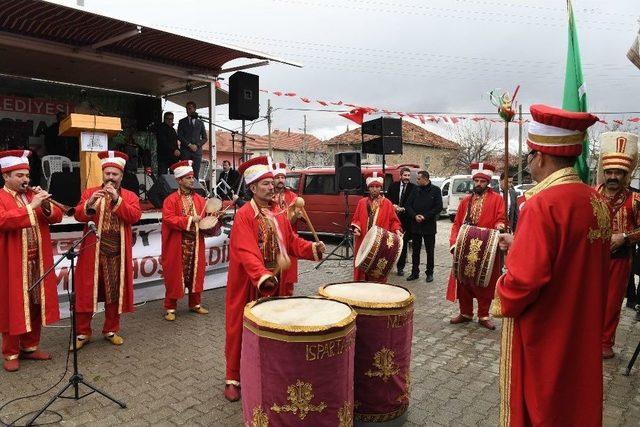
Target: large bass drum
column 296, row 362
column 475, row 254
column 383, row 346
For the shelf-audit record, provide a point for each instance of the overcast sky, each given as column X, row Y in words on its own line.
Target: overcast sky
column 413, row 56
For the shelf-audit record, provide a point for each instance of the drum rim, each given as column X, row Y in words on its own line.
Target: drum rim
column 215, row 221
column 368, row 244
column 218, row 206
column 249, row 316
column 364, row 304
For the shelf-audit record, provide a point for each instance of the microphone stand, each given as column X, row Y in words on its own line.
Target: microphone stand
column 76, row 378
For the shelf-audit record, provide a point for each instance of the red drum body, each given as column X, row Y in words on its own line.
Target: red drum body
column 475, row 254
column 297, row 361
column 383, row 346
column 378, row 253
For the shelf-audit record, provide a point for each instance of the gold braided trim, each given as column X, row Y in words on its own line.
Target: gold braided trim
column 406, row 303
column 299, row 338
column 123, row 262
column 556, row 140
column 378, row 418
column 562, row 176
column 384, row 311
column 506, row 351
column 293, row 328
column 43, row 302
column 100, row 205
column 25, row 281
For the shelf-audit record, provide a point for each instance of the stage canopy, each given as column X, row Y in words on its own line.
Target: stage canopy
column 45, row 40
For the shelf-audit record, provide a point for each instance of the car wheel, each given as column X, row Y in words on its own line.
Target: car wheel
column 452, row 218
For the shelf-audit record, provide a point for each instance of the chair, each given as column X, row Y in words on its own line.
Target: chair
column 52, row 164
column 203, row 175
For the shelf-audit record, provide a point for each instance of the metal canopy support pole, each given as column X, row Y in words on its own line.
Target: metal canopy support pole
column 212, row 135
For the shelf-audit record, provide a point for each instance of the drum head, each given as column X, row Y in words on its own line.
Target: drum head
column 368, row 295
column 208, row 222
column 286, row 313
column 212, row 205
column 367, row 244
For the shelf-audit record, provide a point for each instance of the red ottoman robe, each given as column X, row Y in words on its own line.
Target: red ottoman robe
column 552, row 298
column 247, row 271
column 14, row 298
column 128, row 211
column 385, row 217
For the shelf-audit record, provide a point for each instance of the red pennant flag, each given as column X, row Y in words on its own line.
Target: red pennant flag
column 261, row 90
column 413, row 116
column 325, row 103
column 337, row 103
column 386, row 111
column 290, row 94
column 307, row 100
column 618, row 122
column 218, row 84
column 400, row 114
column 355, row 115
column 422, row 120
column 433, row 119
column 277, row 93
column 454, row 120
column 634, row 119
column 353, row 106
column 604, row 122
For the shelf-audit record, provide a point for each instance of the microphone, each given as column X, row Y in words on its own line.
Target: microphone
column 92, row 227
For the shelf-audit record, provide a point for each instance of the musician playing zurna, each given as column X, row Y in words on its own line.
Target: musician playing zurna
column 283, row 204
column 25, row 215
column 258, row 254
column 374, row 209
column 105, row 265
column 482, row 208
column 183, row 243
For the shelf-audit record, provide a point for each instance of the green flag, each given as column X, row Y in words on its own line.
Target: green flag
column 575, row 94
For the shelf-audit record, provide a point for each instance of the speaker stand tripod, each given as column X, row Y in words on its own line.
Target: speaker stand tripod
column 632, row 361
column 76, row 378
column 347, row 239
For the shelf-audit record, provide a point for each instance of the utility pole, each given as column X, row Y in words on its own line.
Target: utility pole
column 520, row 145
column 269, row 111
column 304, row 141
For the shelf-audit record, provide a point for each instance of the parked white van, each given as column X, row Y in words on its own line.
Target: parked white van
column 458, row 186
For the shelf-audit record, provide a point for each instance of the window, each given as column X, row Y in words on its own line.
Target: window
column 292, row 182
column 320, row 184
column 464, row 185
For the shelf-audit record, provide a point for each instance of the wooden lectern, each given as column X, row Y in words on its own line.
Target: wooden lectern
column 92, row 132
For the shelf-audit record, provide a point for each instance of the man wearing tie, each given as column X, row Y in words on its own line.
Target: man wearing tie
column 231, row 177
column 398, row 194
column 192, row 136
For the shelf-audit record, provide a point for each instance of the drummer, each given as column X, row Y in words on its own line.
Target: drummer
column 283, row 203
column 183, row 243
column 374, row 209
column 482, row 208
column 258, row 253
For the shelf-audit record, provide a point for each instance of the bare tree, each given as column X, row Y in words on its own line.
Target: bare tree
column 477, row 142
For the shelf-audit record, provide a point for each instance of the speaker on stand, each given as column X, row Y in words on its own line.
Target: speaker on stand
column 348, row 181
column 166, row 184
column 244, row 101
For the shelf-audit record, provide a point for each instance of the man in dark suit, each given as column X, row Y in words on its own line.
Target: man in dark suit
column 231, row 177
column 398, row 194
column 424, row 207
column 192, row 136
column 507, row 183
column 168, row 149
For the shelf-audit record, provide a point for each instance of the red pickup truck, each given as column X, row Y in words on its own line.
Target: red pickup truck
column 325, row 205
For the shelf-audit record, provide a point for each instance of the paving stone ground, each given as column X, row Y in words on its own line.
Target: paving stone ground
column 172, row 373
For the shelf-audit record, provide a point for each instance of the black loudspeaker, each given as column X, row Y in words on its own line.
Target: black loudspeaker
column 130, row 182
column 165, row 185
column 64, row 187
column 148, row 112
column 388, row 132
column 348, row 171
column 244, row 99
